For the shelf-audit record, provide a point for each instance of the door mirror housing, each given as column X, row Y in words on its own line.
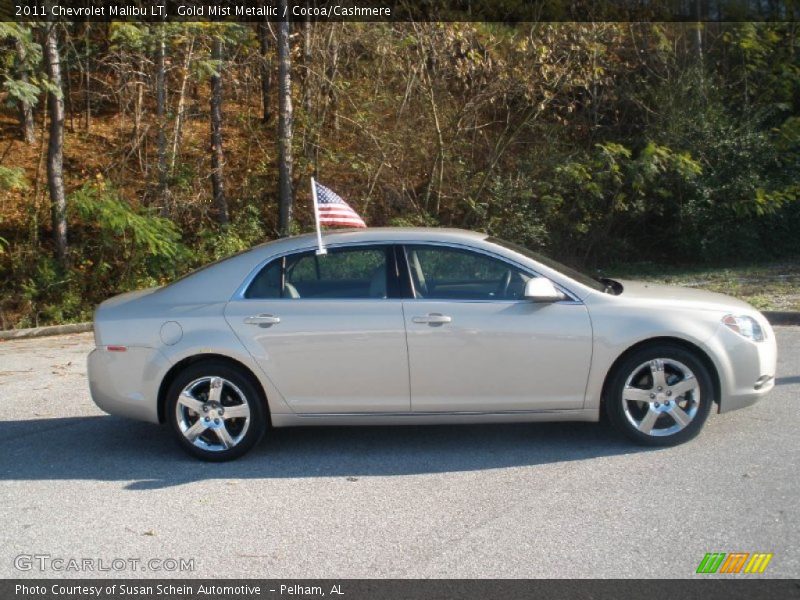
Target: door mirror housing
column 539, row 289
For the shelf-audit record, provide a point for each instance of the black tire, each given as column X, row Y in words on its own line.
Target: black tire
column 237, row 382
column 616, row 407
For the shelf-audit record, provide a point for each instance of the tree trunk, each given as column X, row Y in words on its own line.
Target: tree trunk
column 307, row 67
column 698, row 48
column 217, row 158
column 25, row 109
column 160, row 114
column 333, row 69
column 176, row 138
column 138, row 103
column 266, row 70
column 87, row 83
column 67, row 81
column 697, row 38
column 308, row 128
column 284, row 126
column 55, row 149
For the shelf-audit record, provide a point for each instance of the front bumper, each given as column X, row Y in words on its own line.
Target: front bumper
column 747, row 369
column 126, row 383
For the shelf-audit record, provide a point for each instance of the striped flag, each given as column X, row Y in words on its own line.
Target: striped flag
column 333, row 210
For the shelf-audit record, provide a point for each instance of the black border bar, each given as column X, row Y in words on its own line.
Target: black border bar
column 701, row 588
column 509, row 11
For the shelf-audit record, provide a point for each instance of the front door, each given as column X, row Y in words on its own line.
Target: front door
column 328, row 330
column 476, row 345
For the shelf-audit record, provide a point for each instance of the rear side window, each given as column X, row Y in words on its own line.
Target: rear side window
column 354, row 273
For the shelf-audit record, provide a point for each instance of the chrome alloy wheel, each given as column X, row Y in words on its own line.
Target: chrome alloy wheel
column 212, row 414
column 661, row 397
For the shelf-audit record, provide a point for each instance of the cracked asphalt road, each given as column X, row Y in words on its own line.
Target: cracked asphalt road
column 548, row 500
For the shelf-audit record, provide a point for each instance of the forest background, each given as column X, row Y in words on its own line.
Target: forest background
column 131, row 153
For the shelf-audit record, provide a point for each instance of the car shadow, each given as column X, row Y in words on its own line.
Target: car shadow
column 792, row 379
column 108, row 448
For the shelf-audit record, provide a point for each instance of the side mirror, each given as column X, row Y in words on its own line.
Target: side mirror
column 539, row 289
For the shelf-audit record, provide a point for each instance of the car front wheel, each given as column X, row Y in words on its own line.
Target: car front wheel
column 660, row 395
column 215, row 410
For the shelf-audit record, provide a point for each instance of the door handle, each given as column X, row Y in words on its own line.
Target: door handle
column 433, row 319
column 262, row 320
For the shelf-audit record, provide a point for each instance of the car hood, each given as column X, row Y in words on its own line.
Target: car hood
column 673, row 294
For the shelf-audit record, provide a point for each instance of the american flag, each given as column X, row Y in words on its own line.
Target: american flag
column 335, row 211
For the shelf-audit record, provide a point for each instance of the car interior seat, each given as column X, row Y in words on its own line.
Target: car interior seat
column 377, row 284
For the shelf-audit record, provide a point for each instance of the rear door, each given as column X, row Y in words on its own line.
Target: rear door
column 328, row 330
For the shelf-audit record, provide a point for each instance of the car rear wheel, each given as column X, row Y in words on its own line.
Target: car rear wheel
column 216, row 411
column 660, row 395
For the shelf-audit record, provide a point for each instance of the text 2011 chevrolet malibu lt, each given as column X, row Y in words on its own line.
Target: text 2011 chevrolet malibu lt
column 414, row 326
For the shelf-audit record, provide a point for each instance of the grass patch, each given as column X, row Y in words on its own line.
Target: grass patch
column 767, row 287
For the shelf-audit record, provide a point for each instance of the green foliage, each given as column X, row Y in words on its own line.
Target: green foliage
column 599, row 205
column 764, row 56
column 245, row 230
column 115, row 248
column 513, row 213
column 233, row 34
column 13, row 179
column 414, row 220
column 119, row 224
column 738, row 123
column 129, row 35
column 123, row 248
column 749, row 180
column 12, row 65
column 21, row 92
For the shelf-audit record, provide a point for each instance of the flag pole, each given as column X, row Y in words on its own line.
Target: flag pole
column 320, row 248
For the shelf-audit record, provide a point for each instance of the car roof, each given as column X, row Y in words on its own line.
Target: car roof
column 377, row 234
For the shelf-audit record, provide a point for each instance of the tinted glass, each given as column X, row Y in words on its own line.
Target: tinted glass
column 342, row 273
column 444, row 273
column 553, row 264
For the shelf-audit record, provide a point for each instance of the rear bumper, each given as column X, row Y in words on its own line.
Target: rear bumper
column 126, row 383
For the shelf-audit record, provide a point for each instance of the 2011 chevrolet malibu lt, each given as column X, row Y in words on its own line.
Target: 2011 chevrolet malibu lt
column 418, row 326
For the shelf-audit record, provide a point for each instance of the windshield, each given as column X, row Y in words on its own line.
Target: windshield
column 553, row 264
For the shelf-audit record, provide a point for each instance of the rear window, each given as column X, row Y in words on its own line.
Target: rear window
column 342, row 273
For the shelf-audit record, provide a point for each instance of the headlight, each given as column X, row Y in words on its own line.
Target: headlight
column 745, row 326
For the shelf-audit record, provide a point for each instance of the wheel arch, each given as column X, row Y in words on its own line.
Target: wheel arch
column 701, row 354
column 176, row 369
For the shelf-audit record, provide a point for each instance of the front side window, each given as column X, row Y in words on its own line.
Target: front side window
column 443, row 273
column 342, row 273
column 583, row 278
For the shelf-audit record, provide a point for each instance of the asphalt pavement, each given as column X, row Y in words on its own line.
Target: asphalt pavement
column 544, row 500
